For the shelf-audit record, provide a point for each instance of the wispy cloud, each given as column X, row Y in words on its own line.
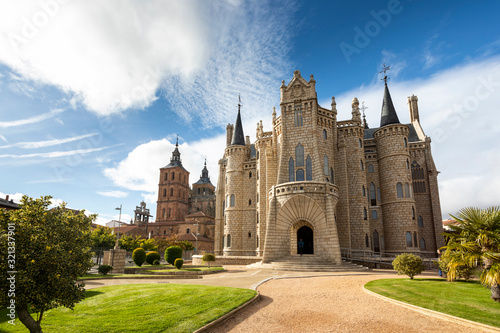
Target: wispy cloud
column 3, row 138
column 113, row 194
column 32, row 120
column 48, row 143
column 55, row 154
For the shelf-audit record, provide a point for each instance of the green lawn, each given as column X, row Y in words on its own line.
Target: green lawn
column 187, row 269
column 468, row 300
column 141, row 308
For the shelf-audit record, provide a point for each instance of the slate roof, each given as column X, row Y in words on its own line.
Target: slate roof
column 10, row 204
column 238, row 136
column 412, row 137
column 389, row 115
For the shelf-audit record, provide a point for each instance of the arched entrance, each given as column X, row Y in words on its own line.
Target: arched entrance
column 306, row 234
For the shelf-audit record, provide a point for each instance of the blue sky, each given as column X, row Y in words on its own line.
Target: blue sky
column 93, row 94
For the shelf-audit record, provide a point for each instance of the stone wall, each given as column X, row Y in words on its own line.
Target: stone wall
column 227, row 260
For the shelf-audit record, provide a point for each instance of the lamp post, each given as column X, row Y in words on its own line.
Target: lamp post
column 119, row 223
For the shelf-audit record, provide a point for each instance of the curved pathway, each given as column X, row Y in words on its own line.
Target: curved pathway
column 327, row 302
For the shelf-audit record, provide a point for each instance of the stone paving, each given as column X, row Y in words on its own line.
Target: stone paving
column 318, row 302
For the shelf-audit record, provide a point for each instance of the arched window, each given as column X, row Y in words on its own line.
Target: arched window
column 250, row 174
column 373, row 199
column 164, row 192
column 300, row 175
column 378, row 194
column 370, row 168
column 420, row 221
column 173, row 175
column 199, row 190
column 169, row 212
column 163, row 213
column 415, row 243
column 406, row 142
column 299, row 155
column 376, row 245
column 422, row 243
column 291, row 170
column 408, row 239
column 228, row 244
column 365, row 213
column 407, row 164
column 417, row 176
column 407, row 190
column 298, row 115
column 166, row 176
column 360, row 143
column 326, row 167
column 324, row 134
column 367, row 241
column 413, row 213
column 399, row 190
column 332, row 176
column 374, row 215
column 362, row 166
column 363, row 190
column 188, row 231
column 308, row 168
column 232, row 200
column 249, row 202
column 171, row 192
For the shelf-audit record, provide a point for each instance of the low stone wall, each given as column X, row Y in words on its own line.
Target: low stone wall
column 222, row 260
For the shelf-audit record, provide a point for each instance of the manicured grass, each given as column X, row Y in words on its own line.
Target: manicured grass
column 141, row 308
column 197, row 269
column 468, row 300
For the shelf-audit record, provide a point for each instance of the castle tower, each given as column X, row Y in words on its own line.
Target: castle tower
column 173, row 190
column 239, row 219
column 203, row 195
column 397, row 202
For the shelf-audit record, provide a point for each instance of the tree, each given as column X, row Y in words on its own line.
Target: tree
column 475, row 241
column 208, row 257
column 139, row 256
column 172, row 253
column 408, row 264
column 48, row 250
column 149, row 244
column 130, row 243
column 102, row 237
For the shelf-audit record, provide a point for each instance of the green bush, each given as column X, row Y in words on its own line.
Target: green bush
column 408, row 264
column 208, row 257
column 172, row 253
column 151, row 256
column 463, row 272
column 104, row 269
column 178, row 263
column 139, row 256
column 156, row 262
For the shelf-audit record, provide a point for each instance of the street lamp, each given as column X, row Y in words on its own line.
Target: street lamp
column 119, row 222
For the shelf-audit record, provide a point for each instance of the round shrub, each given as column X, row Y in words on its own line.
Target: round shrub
column 156, row 262
column 178, row 263
column 151, row 256
column 172, row 253
column 208, row 257
column 139, row 256
column 408, row 264
column 104, row 269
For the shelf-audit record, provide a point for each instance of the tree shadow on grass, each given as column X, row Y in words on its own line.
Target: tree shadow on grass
column 92, row 293
column 236, row 319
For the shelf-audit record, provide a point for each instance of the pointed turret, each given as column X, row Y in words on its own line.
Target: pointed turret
column 238, row 136
column 389, row 115
column 204, row 178
column 175, row 160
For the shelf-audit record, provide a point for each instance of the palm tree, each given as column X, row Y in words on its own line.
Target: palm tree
column 474, row 241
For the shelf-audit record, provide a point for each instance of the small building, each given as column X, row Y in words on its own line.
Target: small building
column 8, row 204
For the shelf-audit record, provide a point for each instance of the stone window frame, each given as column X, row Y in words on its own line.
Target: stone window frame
column 291, row 170
column 420, row 221
column 298, row 115
column 422, row 243
column 325, row 135
column 399, row 190
column 308, row 168
column 409, row 239
column 374, row 215
column 233, row 200
column 371, row 168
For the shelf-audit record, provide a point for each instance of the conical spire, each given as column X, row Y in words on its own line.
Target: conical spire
column 204, row 172
column 176, row 155
column 389, row 115
column 238, row 136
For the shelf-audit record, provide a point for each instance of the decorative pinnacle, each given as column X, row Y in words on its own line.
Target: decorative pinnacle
column 177, row 141
column 363, row 108
column 384, row 70
column 239, row 103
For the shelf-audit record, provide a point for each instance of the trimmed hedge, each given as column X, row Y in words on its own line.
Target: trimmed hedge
column 208, row 257
column 178, row 263
column 151, row 256
column 172, row 253
column 139, row 256
column 104, row 269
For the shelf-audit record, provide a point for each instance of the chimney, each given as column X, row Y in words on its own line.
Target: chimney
column 7, row 197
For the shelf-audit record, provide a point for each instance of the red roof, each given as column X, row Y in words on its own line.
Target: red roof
column 190, row 237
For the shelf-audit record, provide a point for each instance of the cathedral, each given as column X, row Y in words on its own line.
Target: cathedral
column 337, row 185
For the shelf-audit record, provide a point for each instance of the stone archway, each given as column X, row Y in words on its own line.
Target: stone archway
column 306, row 235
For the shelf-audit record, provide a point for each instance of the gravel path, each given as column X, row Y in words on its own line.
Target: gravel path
column 331, row 304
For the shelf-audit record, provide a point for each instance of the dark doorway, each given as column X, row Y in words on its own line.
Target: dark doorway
column 306, row 234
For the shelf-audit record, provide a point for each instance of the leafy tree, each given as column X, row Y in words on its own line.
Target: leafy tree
column 475, row 241
column 105, row 269
column 130, row 243
column 139, row 256
column 408, row 264
column 149, row 244
column 208, row 257
column 152, row 256
column 172, row 253
column 51, row 248
column 163, row 243
column 463, row 271
column 102, row 237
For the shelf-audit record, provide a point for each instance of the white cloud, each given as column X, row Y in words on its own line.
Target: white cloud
column 114, row 55
column 55, row 154
column 16, row 197
column 48, row 143
column 31, row 120
column 113, row 194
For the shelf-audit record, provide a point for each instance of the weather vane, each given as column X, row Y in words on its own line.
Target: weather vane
column 239, row 104
column 384, row 71
column 363, row 108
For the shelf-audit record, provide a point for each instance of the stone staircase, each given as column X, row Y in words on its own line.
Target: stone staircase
column 308, row 263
